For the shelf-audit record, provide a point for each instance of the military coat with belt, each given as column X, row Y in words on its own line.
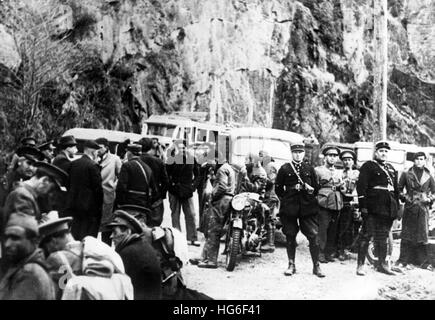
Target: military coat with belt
column 372, row 186
column 297, row 203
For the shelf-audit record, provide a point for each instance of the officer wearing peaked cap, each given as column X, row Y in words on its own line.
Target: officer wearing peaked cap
column 296, row 186
column 378, row 196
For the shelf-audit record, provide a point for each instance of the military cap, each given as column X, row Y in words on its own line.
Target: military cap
column 382, row 145
column 327, row 150
column 297, row 147
column 53, row 224
column 420, row 154
column 28, row 141
column 59, row 176
column 18, row 219
column 123, row 218
column 91, row 144
column 67, row 141
column 146, row 144
column 135, row 148
column 134, row 209
column 49, row 145
column 348, row 154
column 102, row 141
column 30, row 153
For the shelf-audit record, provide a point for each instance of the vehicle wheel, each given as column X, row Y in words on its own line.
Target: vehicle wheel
column 233, row 249
column 371, row 255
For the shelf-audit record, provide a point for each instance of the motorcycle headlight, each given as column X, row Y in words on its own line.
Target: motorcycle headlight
column 238, row 203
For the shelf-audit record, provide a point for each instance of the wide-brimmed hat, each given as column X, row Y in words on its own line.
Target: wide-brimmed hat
column 67, row 141
column 123, row 218
column 51, row 224
column 59, row 176
column 30, row 153
column 49, row 145
column 91, row 144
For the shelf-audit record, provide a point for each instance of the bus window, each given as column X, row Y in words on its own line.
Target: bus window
column 212, row 136
column 201, row 135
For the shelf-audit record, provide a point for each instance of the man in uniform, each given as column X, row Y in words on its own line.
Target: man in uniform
column 68, row 148
column 378, row 196
column 136, row 185
column 330, row 203
column 345, row 221
column 296, row 186
column 85, row 195
column 160, row 175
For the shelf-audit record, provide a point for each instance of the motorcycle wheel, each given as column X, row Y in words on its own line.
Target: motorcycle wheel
column 233, row 249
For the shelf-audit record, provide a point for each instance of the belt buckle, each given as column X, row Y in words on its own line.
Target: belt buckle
column 298, row 187
column 390, row 187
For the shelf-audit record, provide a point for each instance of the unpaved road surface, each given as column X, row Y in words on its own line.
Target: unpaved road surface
column 262, row 278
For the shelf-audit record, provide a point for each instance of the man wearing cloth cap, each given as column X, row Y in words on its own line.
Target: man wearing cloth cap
column 140, row 259
column 296, row 186
column 26, row 276
column 25, row 198
column 420, row 194
column 378, row 196
column 158, row 169
column 85, row 195
column 68, row 148
column 110, row 168
column 330, row 203
column 136, row 183
column 348, row 190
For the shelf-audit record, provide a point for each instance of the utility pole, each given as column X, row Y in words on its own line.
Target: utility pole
column 380, row 70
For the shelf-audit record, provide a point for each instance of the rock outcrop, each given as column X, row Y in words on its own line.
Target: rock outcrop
column 303, row 66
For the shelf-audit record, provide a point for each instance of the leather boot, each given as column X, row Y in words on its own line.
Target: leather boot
column 291, row 253
column 270, row 246
column 383, row 266
column 314, row 251
column 291, row 268
column 362, row 251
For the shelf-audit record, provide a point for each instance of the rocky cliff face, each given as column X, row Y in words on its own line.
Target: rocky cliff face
column 303, row 66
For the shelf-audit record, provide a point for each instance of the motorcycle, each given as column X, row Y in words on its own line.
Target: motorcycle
column 245, row 227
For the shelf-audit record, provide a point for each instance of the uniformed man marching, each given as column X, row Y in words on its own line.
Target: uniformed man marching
column 378, row 199
column 296, row 186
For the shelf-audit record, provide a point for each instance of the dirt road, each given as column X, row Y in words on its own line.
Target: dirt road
column 261, row 278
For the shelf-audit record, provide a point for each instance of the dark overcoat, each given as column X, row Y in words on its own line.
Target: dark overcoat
column 143, row 267
column 296, row 203
column 182, row 173
column 133, row 187
column 382, row 203
column 160, row 175
column 62, row 162
column 85, row 194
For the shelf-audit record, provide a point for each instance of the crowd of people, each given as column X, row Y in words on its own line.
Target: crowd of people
column 55, row 208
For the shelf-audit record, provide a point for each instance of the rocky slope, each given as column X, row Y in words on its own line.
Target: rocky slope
column 303, row 66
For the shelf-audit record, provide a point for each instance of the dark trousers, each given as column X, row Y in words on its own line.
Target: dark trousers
column 328, row 227
column 309, row 227
column 345, row 228
column 83, row 226
column 378, row 228
column 189, row 215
